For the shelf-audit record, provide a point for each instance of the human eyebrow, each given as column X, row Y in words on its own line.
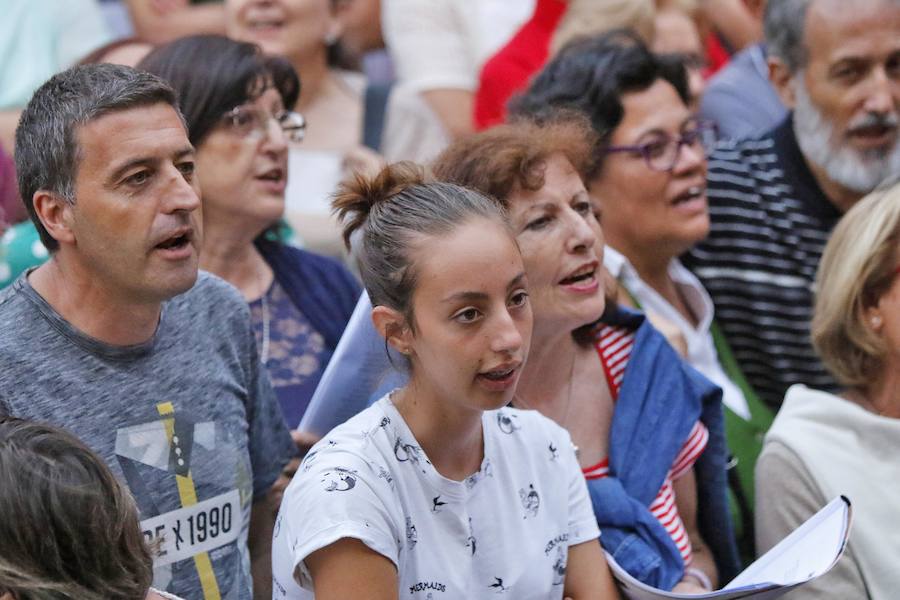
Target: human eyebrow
column 182, row 153
column 465, row 297
column 543, row 206
column 654, row 134
column 580, row 195
column 516, row 282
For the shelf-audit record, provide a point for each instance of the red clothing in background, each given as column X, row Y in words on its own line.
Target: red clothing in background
column 11, row 208
column 716, row 55
column 510, row 69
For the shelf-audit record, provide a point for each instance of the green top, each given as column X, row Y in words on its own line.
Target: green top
column 20, row 249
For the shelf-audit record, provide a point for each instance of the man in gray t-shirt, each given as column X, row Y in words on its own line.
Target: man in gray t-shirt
column 116, row 338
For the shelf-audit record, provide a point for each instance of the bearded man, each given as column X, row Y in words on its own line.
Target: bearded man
column 775, row 199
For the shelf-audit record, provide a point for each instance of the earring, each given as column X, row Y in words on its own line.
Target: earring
column 876, row 321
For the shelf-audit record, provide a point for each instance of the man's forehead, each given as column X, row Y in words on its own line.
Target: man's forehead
column 840, row 28
column 120, row 135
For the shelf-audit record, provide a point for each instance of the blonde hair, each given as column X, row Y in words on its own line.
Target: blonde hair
column 592, row 17
column 857, row 268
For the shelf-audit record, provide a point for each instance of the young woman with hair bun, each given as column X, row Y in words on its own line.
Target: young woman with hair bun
column 439, row 488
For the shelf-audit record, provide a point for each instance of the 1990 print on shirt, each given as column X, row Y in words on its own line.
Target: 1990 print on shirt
column 504, row 530
column 185, row 421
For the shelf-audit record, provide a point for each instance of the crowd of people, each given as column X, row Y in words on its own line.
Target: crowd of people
column 361, row 298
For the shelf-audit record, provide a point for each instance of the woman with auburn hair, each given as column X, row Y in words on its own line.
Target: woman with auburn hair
column 440, row 486
column 648, row 430
column 68, row 530
column 824, row 444
column 649, row 178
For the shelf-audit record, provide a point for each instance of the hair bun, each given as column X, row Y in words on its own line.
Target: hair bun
column 357, row 197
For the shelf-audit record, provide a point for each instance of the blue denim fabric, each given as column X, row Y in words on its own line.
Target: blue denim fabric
column 660, row 400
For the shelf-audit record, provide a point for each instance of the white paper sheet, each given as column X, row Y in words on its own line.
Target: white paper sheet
column 808, row 552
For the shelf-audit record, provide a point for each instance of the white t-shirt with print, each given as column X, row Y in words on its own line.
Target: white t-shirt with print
column 505, row 529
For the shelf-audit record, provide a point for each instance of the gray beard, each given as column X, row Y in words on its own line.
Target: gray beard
column 858, row 171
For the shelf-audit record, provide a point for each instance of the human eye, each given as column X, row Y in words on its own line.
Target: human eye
column 848, row 71
column 242, row 119
column 187, row 169
column 538, row 223
column 655, row 148
column 467, row 315
column 583, row 207
column 892, row 66
column 139, row 178
column 518, row 299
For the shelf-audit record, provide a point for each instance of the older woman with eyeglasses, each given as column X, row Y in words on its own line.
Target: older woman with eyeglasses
column 649, row 181
column 238, row 107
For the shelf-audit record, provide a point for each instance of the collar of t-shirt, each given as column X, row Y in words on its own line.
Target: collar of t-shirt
column 458, row 490
column 694, row 294
column 806, row 188
column 78, row 337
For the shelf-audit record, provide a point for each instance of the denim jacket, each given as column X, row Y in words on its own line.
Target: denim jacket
column 660, row 399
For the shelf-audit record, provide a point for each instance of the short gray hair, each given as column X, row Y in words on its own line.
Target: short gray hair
column 783, row 27
column 47, row 152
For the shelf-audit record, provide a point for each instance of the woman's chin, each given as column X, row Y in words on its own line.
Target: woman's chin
column 573, row 316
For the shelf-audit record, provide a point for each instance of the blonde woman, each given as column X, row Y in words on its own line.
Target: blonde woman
column 824, row 444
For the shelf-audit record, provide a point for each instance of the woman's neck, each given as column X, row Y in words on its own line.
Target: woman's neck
column 315, row 75
column 653, row 269
column 883, row 396
column 546, row 380
column 451, row 436
column 231, row 255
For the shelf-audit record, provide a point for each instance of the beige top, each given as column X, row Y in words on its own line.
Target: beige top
column 821, row 446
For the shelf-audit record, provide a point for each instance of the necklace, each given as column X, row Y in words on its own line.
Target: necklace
column 264, row 302
column 517, row 397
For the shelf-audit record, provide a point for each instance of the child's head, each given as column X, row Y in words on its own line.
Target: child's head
column 67, row 528
column 446, row 279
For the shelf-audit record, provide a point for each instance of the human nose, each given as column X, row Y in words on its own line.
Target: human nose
column 581, row 236
column 182, row 193
column 884, row 96
column 506, row 338
column 690, row 157
column 274, row 137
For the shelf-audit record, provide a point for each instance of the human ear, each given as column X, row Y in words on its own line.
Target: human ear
column 874, row 320
column 783, row 81
column 392, row 326
column 335, row 28
column 55, row 214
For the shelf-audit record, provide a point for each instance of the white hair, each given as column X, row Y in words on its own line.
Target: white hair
column 860, row 171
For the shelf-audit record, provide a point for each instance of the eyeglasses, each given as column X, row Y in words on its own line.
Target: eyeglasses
column 661, row 153
column 253, row 122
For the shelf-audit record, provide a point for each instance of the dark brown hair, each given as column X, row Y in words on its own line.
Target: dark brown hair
column 67, row 528
column 502, row 159
column 393, row 212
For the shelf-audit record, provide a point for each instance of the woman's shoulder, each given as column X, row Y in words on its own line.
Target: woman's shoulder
column 290, row 262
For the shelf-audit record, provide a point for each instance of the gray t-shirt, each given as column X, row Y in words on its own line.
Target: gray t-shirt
column 187, row 420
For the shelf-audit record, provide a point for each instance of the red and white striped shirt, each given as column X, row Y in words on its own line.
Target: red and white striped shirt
column 614, row 345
